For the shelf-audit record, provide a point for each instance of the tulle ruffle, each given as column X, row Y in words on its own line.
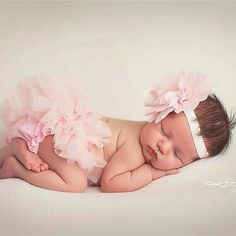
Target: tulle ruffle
column 42, row 105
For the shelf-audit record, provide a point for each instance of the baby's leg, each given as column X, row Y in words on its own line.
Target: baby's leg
column 5, row 152
column 63, row 176
column 47, row 179
column 18, row 148
column 69, row 172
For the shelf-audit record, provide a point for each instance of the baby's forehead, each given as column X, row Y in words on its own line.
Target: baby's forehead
column 178, row 128
column 177, row 124
column 174, row 118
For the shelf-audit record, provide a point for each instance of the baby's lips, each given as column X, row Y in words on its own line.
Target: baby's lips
column 151, row 152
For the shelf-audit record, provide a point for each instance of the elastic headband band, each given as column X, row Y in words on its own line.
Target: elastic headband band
column 198, row 140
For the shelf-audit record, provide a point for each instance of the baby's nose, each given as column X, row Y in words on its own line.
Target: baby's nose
column 164, row 147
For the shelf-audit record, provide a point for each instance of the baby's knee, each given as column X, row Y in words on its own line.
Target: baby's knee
column 79, row 183
column 78, row 186
column 76, row 189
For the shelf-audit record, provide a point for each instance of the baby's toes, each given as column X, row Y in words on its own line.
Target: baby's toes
column 35, row 168
column 28, row 166
column 43, row 166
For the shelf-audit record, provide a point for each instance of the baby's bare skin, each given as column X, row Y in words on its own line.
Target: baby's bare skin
column 125, row 133
column 123, row 153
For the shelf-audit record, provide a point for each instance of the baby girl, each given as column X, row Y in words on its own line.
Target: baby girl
column 55, row 140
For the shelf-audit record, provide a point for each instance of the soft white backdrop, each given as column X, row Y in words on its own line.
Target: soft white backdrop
column 121, row 48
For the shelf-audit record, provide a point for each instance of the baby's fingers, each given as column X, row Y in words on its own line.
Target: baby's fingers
column 172, row 172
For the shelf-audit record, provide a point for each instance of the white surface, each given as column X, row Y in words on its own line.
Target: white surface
column 122, row 48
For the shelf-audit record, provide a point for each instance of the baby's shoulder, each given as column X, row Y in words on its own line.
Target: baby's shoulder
column 122, row 130
column 125, row 141
column 127, row 158
column 130, row 150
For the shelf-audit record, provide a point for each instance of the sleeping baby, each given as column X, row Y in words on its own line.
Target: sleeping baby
column 55, row 139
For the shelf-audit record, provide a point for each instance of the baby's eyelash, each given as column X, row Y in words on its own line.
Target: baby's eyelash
column 175, row 154
column 162, row 131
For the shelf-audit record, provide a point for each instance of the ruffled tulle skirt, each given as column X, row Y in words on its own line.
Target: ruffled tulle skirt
column 41, row 105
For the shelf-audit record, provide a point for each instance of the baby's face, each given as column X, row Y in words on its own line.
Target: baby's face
column 168, row 144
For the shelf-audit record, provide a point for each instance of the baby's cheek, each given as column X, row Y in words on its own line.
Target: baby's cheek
column 147, row 138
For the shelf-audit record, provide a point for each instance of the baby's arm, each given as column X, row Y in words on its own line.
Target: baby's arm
column 122, row 175
column 128, row 181
column 136, row 179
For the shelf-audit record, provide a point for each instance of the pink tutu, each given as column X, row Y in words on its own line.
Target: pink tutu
column 42, row 105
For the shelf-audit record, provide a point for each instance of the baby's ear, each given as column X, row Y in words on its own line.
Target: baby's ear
column 172, row 172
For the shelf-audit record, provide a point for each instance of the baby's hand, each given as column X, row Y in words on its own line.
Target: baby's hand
column 172, row 172
column 156, row 173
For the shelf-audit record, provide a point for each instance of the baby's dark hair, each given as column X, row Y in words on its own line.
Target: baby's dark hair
column 215, row 125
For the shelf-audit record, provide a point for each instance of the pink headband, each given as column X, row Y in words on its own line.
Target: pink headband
column 179, row 92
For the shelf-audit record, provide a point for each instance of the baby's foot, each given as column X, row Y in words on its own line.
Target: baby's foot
column 33, row 162
column 8, row 167
column 29, row 159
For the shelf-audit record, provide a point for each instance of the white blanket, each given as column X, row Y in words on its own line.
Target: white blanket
column 122, row 47
column 187, row 203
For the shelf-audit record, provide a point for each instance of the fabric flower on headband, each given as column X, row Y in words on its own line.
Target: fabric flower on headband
column 176, row 92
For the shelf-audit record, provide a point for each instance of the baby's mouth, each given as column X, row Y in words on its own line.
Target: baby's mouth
column 151, row 152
